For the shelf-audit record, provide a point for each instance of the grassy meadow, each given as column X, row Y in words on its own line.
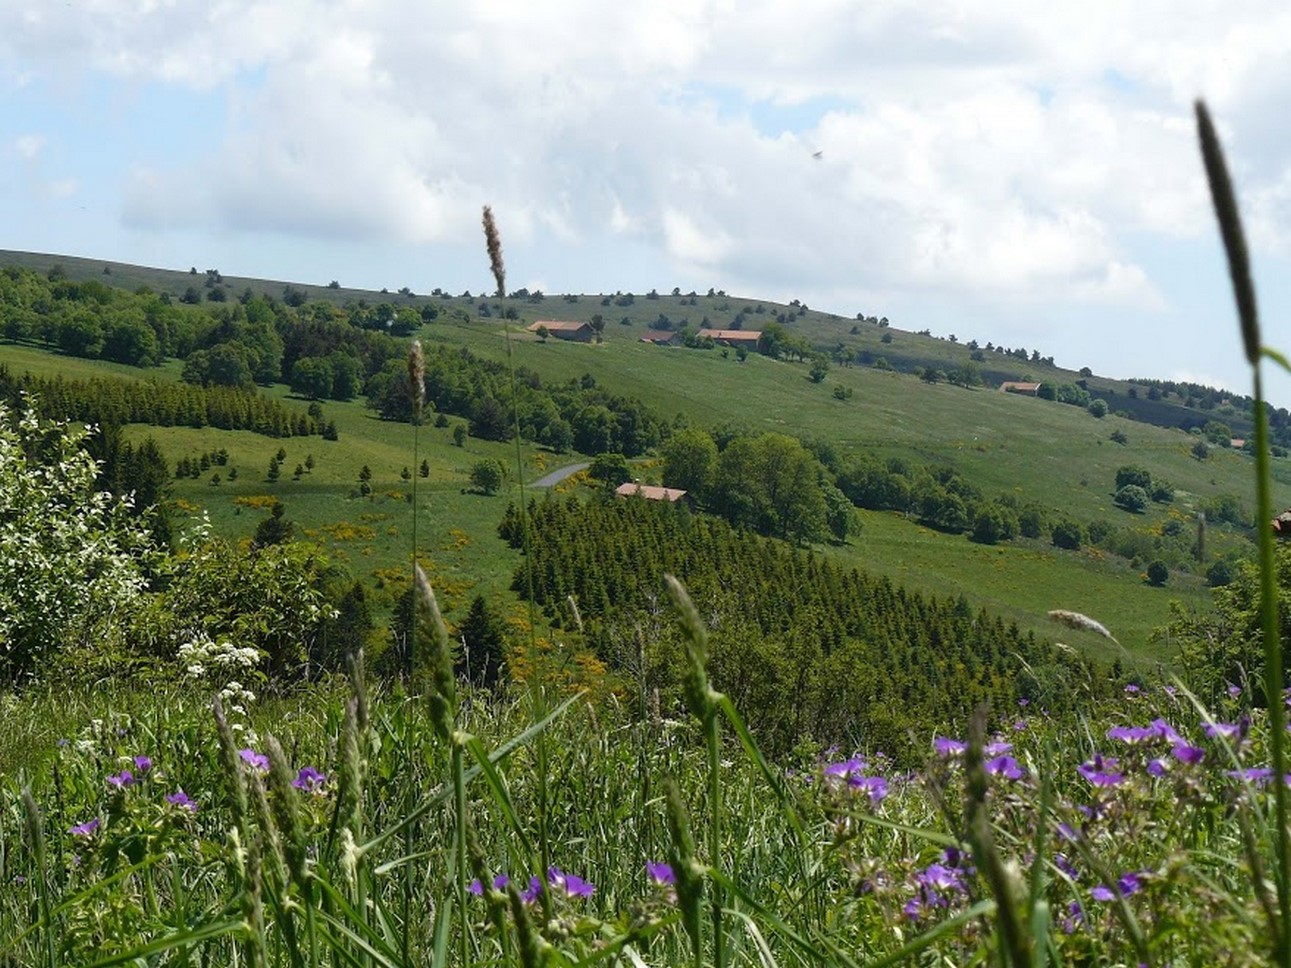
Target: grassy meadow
column 1030, row 449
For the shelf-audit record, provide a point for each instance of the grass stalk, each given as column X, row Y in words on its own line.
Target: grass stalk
column 1230, row 226
column 36, row 836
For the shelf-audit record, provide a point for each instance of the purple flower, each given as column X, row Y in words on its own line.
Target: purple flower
column 1192, row 755
column 997, row 748
column 875, row 786
column 533, row 891
column 949, row 747
column 1005, row 766
column 1131, row 690
column 1222, row 730
column 846, row 767
column 1019, row 725
column 143, row 763
column 1234, row 690
column 1255, row 775
column 1067, row 867
column 500, row 882
column 1128, row 884
column 1024, row 702
column 86, row 829
column 1170, row 690
column 939, row 877
column 122, row 780
column 1157, row 767
column 1133, row 735
column 1166, row 731
column 256, row 760
column 571, row 884
column 1100, row 772
column 660, row 873
column 309, row 780
column 182, row 800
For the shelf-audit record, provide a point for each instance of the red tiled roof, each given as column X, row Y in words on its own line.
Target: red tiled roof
column 739, row 335
column 553, row 325
column 649, row 491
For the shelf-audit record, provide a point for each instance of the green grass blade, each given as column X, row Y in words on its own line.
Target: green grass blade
column 169, row 942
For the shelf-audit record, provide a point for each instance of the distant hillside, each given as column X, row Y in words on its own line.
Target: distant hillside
column 878, row 406
column 847, row 341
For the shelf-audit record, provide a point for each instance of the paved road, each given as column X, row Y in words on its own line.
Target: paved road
column 555, row 477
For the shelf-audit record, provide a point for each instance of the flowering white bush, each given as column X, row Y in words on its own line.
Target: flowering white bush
column 70, row 555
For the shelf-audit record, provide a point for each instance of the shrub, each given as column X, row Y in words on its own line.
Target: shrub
column 73, row 555
column 1220, row 573
column 1132, row 474
column 1131, row 498
column 1158, row 573
column 1067, row 534
column 487, row 475
column 1098, row 408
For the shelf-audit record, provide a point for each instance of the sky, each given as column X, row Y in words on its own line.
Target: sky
column 1023, row 173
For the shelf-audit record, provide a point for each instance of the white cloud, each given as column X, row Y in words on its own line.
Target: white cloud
column 28, row 146
column 1017, row 153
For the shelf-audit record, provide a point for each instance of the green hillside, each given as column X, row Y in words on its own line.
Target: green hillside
column 1007, row 445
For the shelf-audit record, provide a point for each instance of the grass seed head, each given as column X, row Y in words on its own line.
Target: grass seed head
column 494, row 242
column 1230, row 228
column 416, row 378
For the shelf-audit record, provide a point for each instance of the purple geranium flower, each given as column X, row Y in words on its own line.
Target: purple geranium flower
column 949, row 747
column 1133, row 735
column 1128, row 884
column 1192, row 755
column 86, row 829
column 143, row 763
column 660, row 873
column 997, row 748
column 1255, row 775
column 500, row 882
column 941, row 878
column 876, row 787
column 846, row 768
column 1157, row 766
column 309, row 780
column 256, row 760
column 1132, row 690
column 182, row 800
column 1005, row 766
column 122, row 780
column 571, row 884
column 1101, row 772
column 533, row 891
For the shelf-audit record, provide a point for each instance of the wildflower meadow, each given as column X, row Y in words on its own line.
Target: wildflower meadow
column 421, row 819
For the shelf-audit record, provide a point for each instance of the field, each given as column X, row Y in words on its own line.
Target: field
column 1031, row 449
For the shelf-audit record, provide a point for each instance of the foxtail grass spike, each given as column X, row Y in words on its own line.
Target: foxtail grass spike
column 1076, row 620
column 416, row 379
column 695, row 678
column 232, row 768
column 494, row 242
column 1230, row 228
column 443, row 698
column 690, row 885
column 286, row 808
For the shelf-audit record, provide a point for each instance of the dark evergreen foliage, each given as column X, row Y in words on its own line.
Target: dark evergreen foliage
column 804, row 647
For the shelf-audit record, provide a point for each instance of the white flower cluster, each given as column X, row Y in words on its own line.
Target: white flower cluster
column 222, row 664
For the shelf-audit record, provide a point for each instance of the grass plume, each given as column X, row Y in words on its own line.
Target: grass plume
column 493, row 239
